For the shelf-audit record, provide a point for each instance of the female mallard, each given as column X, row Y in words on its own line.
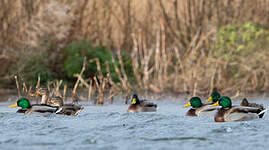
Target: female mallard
column 200, row 109
column 246, row 103
column 214, row 97
column 44, row 93
column 65, row 109
column 141, row 105
column 227, row 112
column 27, row 108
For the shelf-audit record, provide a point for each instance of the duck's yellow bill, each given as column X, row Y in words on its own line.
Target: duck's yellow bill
column 133, row 101
column 210, row 99
column 12, row 106
column 215, row 104
column 188, row 105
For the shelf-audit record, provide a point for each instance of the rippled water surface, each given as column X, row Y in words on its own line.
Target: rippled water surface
column 111, row 127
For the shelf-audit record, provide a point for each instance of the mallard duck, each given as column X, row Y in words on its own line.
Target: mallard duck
column 141, row 105
column 65, row 109
column 246, row 103
column 27, row 108
column 214, row 97
column 200, row 109
column 227, row 112
column 44, row 93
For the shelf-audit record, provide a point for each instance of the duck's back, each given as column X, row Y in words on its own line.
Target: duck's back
column 148, row 106
column 70, row 109
column 41, row 109
column 207, row 110
column 237, row 113
column 144, row 106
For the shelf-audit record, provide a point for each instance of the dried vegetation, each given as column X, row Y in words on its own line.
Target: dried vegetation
column 172, row 43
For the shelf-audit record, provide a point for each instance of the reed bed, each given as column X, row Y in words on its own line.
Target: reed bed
column 172, row 43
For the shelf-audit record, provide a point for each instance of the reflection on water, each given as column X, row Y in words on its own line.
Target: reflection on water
column 111, row 127
column 178, row 139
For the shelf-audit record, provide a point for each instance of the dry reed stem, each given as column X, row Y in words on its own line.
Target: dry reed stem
column 90, row 91
column 57, row 88
column 98, row 64
column 25, row 89
column 100, row 97
column 113, row 84
column 64, row 92
column 18, row 86
column 29, row 92
column 135, row 61
column 88, row 86
column 126, row 85
column 37, row 87
column 48, row 86
column 77, row 82
column 123, row 81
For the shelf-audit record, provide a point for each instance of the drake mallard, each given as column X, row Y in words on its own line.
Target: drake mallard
column 200, row 109
column 141, row 105
column 214, row 97
column 227, row 112
column 27, row 108
column 65, row 109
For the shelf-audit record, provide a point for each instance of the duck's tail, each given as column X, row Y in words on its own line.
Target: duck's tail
column 255, row 105
column 262, row 113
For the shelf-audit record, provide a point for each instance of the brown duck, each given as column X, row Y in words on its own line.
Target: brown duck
column 227, row 112
column 141, row 105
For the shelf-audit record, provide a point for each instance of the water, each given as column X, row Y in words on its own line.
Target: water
column 111, row 127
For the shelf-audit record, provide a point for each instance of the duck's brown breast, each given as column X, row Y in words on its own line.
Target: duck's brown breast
column 21, row 111
column 132, row 108
column 191, row 112
column 219, row 117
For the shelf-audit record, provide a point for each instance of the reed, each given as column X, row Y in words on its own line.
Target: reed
column 172, row 43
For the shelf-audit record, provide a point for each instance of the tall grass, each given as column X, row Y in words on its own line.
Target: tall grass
column 173, row 43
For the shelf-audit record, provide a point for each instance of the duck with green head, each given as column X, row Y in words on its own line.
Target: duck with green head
column 214, row 97
column 227, row 112
column 141, row 105
column 200, row 109
column 27, row 108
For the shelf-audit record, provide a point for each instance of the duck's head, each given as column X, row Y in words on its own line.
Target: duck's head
column 40, row 91
column 214, row 97
column 224, row 102
column 23, row 103
column 195, row 102
column 56, row 101
column 135, row 99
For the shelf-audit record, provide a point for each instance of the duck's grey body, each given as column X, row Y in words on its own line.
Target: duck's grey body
column 238, row 113
column 143, row 106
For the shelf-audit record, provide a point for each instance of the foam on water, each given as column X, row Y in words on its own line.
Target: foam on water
column 111, row 127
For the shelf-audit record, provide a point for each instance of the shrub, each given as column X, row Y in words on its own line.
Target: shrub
column 240, row 39
column 74, row 55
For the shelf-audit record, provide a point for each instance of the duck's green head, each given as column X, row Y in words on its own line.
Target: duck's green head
column 224, row 101
column 195, row 102
column 214, row 97
column 23, row 103
column 135, row 99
